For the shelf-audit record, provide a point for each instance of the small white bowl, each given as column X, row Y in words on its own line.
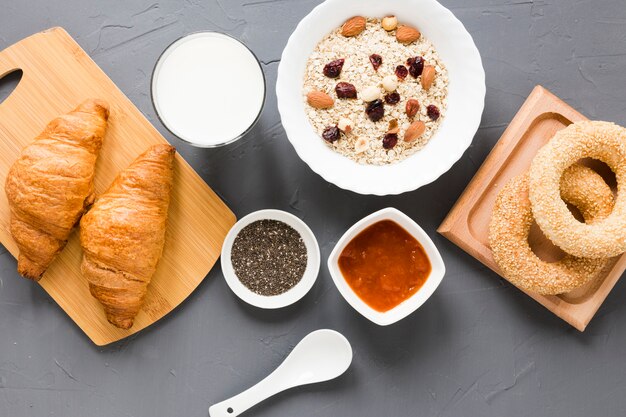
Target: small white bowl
column 297, row 291
column 466, row 96
column 412, row 303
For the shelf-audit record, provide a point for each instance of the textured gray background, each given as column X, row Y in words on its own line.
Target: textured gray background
column 478, row 347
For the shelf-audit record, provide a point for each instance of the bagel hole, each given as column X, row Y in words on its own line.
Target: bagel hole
column 542, row 246
column 603, row 169
column 575, row 212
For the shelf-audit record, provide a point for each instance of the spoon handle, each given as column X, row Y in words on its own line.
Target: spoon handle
column 322, row 355
column 236, row 405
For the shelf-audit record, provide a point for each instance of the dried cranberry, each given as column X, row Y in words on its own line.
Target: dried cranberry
column 401, row 72
column 390, row 140
column 375, row 110
column 392, row 98
column 433, row 112
column 345, row 90
column 376, row 61
column 416, row 66
column 333, row 68
column 331, row 134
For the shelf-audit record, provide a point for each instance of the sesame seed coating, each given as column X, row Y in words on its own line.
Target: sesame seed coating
column 590, row 139
column 511, row 221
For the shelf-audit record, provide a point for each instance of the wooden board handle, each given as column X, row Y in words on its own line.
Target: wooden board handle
column 7, row 64
column 6, row 68
column 12, row 58
column 9, row 61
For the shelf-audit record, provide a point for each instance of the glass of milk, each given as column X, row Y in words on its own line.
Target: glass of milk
column 208, row 89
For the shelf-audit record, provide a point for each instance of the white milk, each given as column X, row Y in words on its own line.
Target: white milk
column 208, row 88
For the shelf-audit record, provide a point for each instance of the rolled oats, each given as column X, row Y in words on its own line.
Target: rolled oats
column 364, row 142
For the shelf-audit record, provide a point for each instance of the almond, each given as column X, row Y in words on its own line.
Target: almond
column 412, row 107
column 353, row 26
column 428, row 76
column 407, row 34
column 319, row 100
column 414, row 131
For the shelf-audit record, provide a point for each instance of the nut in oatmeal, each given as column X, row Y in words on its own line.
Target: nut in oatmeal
column 320, row 100
column 428, row 77
column 393, row 126
column 361, row 145
column 345, row 125
column 412, row 107
column 407, row 34
column 371, row 93
column 390, row 83
column 353, row 26
column 389, row 23
column 414, row 131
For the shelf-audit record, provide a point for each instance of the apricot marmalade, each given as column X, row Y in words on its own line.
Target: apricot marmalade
column 384, row 265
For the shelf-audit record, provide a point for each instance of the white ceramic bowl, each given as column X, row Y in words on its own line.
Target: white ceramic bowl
column 412, row 303
column 297, row 291
column 466, row 96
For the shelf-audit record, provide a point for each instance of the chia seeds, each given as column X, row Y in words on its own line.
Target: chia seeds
column 269, row 257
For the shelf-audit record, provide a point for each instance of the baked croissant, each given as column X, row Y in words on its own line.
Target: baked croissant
column 122, row 235
column 51, row 184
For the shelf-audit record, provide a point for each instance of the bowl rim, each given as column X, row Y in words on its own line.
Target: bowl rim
column 296, row 292
column 412, row 303
column 291, row 116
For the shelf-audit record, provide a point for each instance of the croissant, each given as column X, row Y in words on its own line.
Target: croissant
column 123, row 234
column 51, row 184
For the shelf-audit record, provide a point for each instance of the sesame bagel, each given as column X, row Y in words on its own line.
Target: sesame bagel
column 511, row 221
column 599, row 140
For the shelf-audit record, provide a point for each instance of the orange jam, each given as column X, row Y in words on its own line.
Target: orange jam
column 384, row 265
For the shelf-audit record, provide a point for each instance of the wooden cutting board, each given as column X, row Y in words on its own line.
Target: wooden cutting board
column 57, row 76
column 467, row 224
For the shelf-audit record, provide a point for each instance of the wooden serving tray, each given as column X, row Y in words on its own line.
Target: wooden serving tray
column 467, row 224
column 57, row 76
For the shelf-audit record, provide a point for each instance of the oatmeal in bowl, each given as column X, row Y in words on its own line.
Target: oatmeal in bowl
column 380, row 97
column 375, row 89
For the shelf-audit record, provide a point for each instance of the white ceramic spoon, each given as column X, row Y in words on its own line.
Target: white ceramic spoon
column 322, row 355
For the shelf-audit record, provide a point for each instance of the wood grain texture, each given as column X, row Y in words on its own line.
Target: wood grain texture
column 57, row 76
column 467, row 224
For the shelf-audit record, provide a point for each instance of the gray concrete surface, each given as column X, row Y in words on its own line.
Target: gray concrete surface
column 479, row 347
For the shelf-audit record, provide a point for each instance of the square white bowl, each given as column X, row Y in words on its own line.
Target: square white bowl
column 412, row 303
